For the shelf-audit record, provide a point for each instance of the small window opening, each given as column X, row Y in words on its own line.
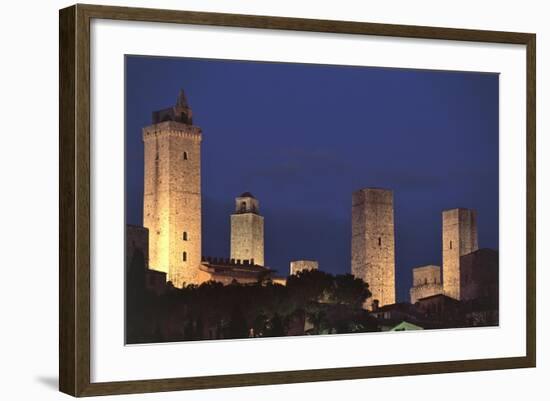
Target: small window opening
column 184, row 256
column 185, row 236
column 450, row 244
column 184, row 155
column 379, row 241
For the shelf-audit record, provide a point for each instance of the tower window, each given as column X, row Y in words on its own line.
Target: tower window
column 243, row 206
column 157, row 155
column 184, row 155
column 379, row 241
column 184, row 236
column 184, row 256
column 450, row 244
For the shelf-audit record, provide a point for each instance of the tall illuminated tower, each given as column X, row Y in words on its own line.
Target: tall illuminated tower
column 373, row 243
column 459, row 237
column 247, row 230
column 172, row 193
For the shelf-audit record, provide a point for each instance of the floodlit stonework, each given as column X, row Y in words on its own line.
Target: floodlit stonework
column 426, row 282
column 247, row 230
column 373, row 243
column 459, row 238
column 172, row 193
column 300, row 265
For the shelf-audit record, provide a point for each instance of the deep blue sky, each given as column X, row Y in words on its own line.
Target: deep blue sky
column 303, row 137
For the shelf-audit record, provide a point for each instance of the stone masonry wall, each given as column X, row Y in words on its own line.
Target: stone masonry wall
column 426, row 282
column 373, row 243
column 299, row 265
column 459, row 237
column 423, row 291
column 247, row 237
column 172, row 199
column 479, row 275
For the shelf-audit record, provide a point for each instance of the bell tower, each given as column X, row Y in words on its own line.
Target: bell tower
column 247, row 230
column 172, row 192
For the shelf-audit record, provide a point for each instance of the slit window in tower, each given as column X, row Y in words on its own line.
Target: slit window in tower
column 184, row 236
column 379, row 241
column 184, row 256
column 184, row 155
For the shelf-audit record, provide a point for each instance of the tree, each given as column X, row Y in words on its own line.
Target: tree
column 276, row 328
column 350, row 290
column 237, row 325
column 309, row 286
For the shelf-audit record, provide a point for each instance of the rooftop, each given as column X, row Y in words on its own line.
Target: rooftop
column 247, row 195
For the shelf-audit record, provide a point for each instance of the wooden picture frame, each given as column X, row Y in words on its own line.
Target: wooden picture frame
column 74, row 203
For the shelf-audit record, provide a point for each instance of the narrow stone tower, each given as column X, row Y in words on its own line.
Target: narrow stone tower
column 373, row 243
column 247, row 230
column 172, row 193
column 459, row 238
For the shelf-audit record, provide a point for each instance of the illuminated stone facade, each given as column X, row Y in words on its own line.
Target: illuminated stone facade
column 172, row 193
column 227, row 271
column 373, row 243
column 426, row 282
column 300, row 265
column 459, row 238
column 247, row 231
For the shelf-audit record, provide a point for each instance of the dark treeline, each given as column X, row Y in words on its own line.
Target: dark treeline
column 312, row 302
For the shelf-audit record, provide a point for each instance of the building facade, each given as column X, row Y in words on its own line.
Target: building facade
column 301, row 265
column 479, row 276
column 459, row 237
column 172, row 193
column 247, row 230
column 373, row 243
column 426, row 282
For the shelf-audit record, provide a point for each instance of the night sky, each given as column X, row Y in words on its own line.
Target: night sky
column 303, row 137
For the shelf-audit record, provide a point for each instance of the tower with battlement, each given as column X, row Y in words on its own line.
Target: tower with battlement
column 459, row 237
column 373, row 243
column 301, row 265
column 247, row 230
column 172, row 192
column 426, row 282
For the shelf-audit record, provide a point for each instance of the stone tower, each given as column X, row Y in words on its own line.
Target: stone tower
column 301, row 265
column 373, row 243
column 426, row 282
column 172, row 193
column 247, row 230
column 459, row 238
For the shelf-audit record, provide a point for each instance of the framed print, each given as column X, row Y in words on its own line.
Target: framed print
column 307, row 200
